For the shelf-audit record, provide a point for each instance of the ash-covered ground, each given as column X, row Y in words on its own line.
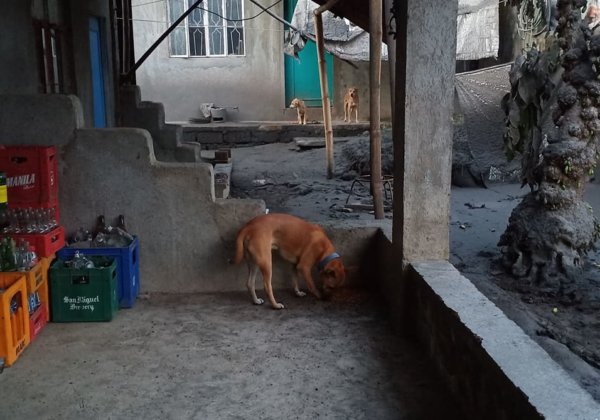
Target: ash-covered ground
column 294, row 181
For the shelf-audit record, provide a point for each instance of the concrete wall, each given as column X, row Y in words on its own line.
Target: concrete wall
column 186, row 235
column 18, row 72
column 19, row 69
column 494, row 370
column 170, row 207
column 39, row 119
column 488, row 361
column 346, row 76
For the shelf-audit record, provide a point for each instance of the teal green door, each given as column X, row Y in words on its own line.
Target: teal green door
column 302, row 77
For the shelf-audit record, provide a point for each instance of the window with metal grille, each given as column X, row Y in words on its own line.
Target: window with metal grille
column 48, row 48
column 215, row 28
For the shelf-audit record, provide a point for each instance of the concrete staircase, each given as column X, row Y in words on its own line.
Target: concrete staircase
column 169, row 145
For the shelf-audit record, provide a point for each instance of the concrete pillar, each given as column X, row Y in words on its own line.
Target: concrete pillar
column 425, row 60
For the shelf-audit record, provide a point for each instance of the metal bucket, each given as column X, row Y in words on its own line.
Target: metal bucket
column 218, row 114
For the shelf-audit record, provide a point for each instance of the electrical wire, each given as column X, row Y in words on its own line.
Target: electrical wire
column 213, row 13
column 241, row 20
column 150, row 2
column 252, row 28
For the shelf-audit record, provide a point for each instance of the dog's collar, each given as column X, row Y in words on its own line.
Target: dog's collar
column 327, row 259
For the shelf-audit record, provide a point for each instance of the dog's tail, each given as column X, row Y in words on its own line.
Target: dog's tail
column 239, row 247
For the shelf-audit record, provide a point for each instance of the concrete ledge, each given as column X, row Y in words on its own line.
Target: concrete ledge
column 44, row 120
column 491, row 365
column 238, row 134
column 354, row 241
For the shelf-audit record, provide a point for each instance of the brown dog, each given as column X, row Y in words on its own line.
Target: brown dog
column 351, row 104
column 301, row 108
column 298, row 242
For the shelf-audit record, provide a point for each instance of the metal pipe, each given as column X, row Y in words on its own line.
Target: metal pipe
column 160, row 39
column 326, row 6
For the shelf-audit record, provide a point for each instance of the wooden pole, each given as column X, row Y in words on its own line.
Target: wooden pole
column 324, row 87
column 375, row 24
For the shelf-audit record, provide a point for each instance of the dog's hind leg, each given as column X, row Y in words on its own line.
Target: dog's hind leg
column 267, row 272
column 250, row 284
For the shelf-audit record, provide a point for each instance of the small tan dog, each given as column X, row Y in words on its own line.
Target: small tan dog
column 304, row 244
column 301, row 108
column 351, row 104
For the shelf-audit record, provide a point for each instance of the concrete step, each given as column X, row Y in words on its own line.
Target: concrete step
column 170, row 136
column 318, row 142
column 215, row 135
column 130, row 96
column 186, row 153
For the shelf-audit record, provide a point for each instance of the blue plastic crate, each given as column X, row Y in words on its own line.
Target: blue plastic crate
column 128, row 268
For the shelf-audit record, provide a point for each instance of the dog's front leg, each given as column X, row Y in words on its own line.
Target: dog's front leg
column 356, row 114
column 297, row 290
column 250, row 284
column 309, row 281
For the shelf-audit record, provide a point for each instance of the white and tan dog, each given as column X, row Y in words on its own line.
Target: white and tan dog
column 351, row 104
column 304, row 244
column 300, row 108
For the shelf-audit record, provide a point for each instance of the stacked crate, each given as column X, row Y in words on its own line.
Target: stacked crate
column 128, row 267
column 32, row 181
column 84, row 294
column 14, row 317
column 31, row 178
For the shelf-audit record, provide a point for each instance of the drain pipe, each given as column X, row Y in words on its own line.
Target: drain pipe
column 143, row 58
column 324, row 88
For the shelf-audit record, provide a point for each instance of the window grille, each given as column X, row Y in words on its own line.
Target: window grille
column 213, row 29
column 48, row 48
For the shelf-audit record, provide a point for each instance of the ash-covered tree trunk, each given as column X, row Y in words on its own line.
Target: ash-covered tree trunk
column 552, row 229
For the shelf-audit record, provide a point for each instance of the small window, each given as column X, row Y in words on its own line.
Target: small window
column 48, row 43
column 213, row 29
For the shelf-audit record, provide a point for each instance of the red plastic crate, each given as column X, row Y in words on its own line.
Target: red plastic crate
column 45, row 244
column 37, row 321
column 31, row 174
